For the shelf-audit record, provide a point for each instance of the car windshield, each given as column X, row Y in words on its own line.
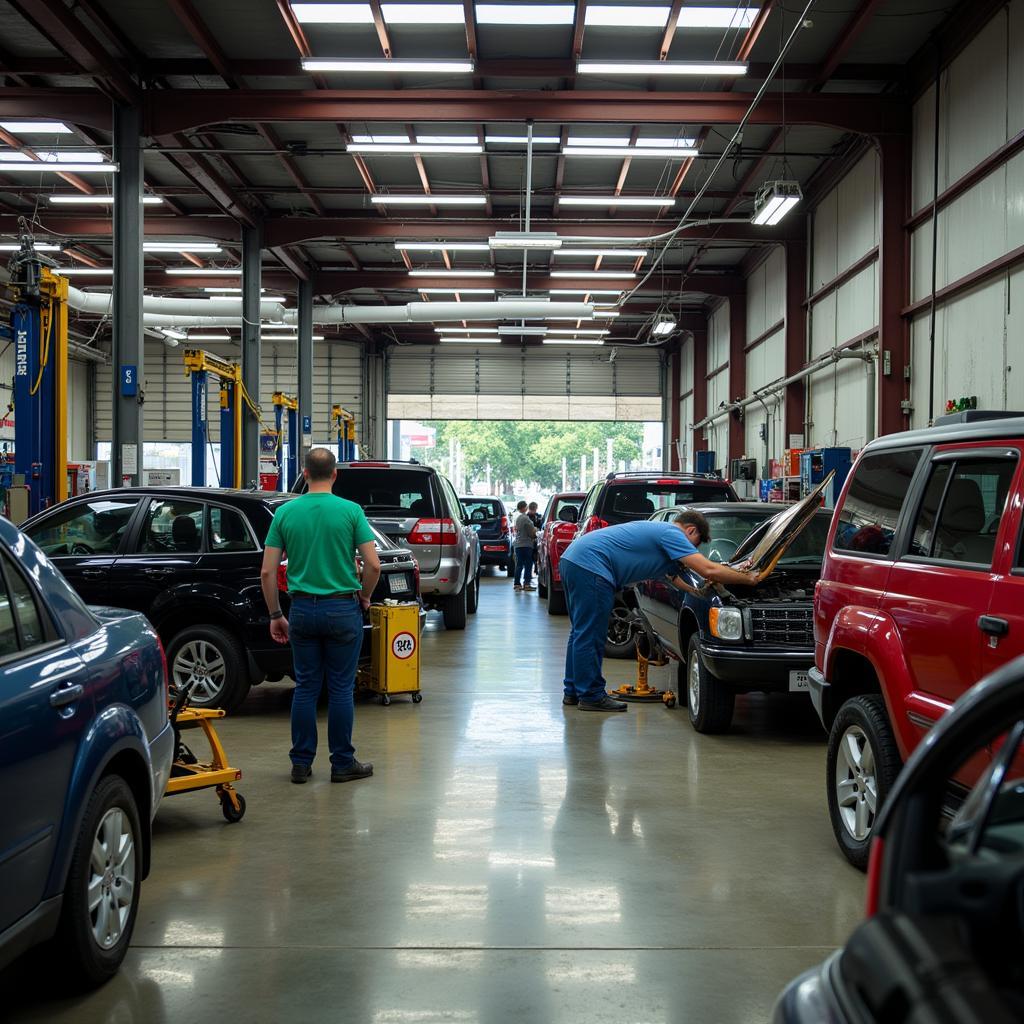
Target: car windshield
column 730, row 529
column 479, row 510
column 625, row 502
column 387, row 490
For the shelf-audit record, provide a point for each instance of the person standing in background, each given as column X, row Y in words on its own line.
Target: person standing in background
column 525, row 538
column 537, row 519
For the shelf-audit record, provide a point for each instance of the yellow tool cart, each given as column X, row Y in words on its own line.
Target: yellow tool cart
column 395, row 652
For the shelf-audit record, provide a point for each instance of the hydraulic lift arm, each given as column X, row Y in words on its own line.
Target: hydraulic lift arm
column 199, row 365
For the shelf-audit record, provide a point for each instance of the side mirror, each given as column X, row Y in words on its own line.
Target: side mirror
column 569, row 514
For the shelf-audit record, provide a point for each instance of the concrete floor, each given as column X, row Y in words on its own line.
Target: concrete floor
column 510, row 861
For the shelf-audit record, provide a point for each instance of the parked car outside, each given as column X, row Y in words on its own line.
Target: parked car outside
column 417, row 508
column 189, row 559
column 627, row 497
column 558, row 527
column 489, row 517
column 85, row 755
column 943, row 932
column 758, row 639
column 921, row 594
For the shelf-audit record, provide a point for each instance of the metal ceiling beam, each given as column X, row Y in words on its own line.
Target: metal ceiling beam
column 194, row 166
column 847, row 37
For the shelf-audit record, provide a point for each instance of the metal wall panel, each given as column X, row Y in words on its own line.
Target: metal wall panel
column 972, row 229
column 1015, row 70
column 718, row 433
column 821, row 319
column 718, row 337
column 686, row 365
column 686, row 432
column 1014, row 377
column 857, row 214
column 824, row 256
column 766, row 289
column 857, row 305
column 837, row 403
column 764, row 365
column 923, row 151
column 1015, row 197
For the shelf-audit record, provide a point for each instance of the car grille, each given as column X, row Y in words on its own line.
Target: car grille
column 787, row 625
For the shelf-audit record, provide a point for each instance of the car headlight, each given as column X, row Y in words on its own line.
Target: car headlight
column 726, row 623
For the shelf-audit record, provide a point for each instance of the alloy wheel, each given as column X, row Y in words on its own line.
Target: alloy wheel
column 693, row 684
column 856, row 783
column 111, row 878
column 200, row 663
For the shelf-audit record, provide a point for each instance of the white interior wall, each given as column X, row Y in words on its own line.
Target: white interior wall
column 976, row 332
column 686, row 404
column 766, row 308
column 717, row 433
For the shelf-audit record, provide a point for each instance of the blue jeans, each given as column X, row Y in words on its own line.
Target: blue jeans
column 524, row 565
column 326, row 636
column 590, row 599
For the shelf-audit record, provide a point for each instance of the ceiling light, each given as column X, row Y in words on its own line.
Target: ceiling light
column 522, row 140
column 37, row 246
column 664, row 325
column 333, row 14
column 294, row 337
column 415, row 148
column 660, row 67
column 442, row 246
column 102, row 200
column 774, row 200
column 716, row 17
column 588, row 275
column 209, row 337
column 389, row 67
column 180, row 247
column 595, row 331
column 277, row 327
column 58, row 156
column 532, row 331
column 662, row 143
column 601, row 314
column 525, row 14
column 204, row 271
column 617, row 152
column 226, row 290
column 470, row 341
column 616, row 201
column 586, row 291
column 11, row 166
column 451, row 273
column 606, row 253
column 36, row 127
column 83, row 271
column 525, row 240
column 456, row 291
column 464, row 330
column 403, row 139
column 573, row 341
column 424, row 200
column 627, row 17
column 424, row 14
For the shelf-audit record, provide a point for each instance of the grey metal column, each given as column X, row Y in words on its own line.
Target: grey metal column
column 128, row 370
column 305, row 344
column 252, row 251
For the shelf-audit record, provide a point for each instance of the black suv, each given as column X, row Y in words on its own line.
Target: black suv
column 628, row 497
column 189, row 558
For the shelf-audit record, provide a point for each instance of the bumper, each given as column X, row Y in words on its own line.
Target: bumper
column 494, row 552
column 752, row 669
column 161, row 755
column 811, row 998
column 818, row 687
column 445, row 580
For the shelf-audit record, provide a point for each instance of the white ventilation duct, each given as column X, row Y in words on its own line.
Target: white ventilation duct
column 102, row 304
column 440, row 312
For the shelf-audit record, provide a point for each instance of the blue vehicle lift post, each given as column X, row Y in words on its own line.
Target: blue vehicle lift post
column 198, row 366
column 345, row 424
column 287, row 471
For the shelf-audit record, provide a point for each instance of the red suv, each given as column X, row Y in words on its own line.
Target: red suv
column 558, row 527
column 921, row 594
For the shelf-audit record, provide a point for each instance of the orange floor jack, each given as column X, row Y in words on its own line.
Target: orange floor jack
column 648, row 652
column 188, row 772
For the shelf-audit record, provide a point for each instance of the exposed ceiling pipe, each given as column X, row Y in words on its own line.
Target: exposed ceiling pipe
column 440, row 312
column 102, row 303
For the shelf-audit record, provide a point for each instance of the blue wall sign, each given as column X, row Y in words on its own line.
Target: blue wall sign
column 129, row 381
column 307, row 424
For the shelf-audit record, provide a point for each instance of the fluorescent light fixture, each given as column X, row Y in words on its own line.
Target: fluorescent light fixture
column 278, row 327
column 716, row 17
column 394, row 139
column 83, row 271
column 180, row 247
column 616, row 201
column 525, row 14
column 38, row 246
column 525, row 240
column 209, row 337
column 204, row 271
column 424, row 200
column 463, row 330
column 171, row 332
column 597, row 275
column 293, row 337
column 586, row 291
column 448, row 140
column 606, row 253
column 533, row 331
column 595, row 331
column 424, row 14
column 616, row 16
column 470, row 341
column 624, row 143
column 226, row 289
column 451, row 273
column 456, row 291
column 10, row 166
column 442, row 246
column 521, row 140
column 104, row 200
column 389, row 67
column 36, row 127
column 664, row 325
column 659, row 68
column 601, row 314
column 271, row 298
column 774, row 200
column 415, row 148
column 617, row 152
column 68, row 156
column 573, row 341
column 333, row 14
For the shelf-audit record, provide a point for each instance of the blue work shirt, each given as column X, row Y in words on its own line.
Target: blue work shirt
column 631, row 552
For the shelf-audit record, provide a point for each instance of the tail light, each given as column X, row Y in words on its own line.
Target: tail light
column 874, row 887
column 433, row 531
column 594, row 523
column 503, row 525
column 282, row 577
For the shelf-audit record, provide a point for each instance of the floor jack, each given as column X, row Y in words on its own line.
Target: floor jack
column 648, row 652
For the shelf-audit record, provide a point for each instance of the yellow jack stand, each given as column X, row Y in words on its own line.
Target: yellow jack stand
column 643, row 691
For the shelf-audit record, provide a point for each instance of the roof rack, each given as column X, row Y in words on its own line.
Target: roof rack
column 675, row 474
column 975, row 416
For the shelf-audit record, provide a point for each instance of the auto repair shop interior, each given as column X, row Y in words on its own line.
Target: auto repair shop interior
column 758, row 259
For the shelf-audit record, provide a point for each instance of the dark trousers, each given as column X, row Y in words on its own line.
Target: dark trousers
column 524, row 565
column 590, row 599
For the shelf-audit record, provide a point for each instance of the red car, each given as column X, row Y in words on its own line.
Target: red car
column 921, row 594
column 558, row 528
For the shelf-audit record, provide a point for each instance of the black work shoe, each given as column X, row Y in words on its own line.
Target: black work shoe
column 300, row 773
column 352, row 773
column 604, row 704
column 570, row 701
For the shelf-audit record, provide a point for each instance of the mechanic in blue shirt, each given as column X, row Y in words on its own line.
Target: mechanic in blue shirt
column 598, row 564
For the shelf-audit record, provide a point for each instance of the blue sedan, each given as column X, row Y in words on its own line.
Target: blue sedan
column 85, row 755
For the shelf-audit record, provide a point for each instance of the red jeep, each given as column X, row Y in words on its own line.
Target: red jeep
column 558, row 528
column 921, row 594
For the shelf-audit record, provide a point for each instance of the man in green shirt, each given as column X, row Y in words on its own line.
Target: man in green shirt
column 320, row 532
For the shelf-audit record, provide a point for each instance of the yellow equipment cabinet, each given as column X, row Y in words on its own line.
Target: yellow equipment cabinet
column 395, row 660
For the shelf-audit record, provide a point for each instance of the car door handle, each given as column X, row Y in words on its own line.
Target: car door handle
column 993, row 626
column 156, row 574
column 94, row 574
column 66, row 695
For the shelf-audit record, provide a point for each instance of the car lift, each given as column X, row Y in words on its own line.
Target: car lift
column 287, row 471
column 198, row 365
column 345, row 424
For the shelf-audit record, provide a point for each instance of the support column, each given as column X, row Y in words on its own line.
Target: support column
column 700, row 386
column 675, row 368
column 893, row 284
column 305, row 359
column 796, row 341
column 252, row 246
column 128, row 371
column 737, row 374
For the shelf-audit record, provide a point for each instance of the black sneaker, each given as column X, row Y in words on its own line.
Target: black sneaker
column 606, row 703
column 353, row 772
column 570, row 701
column 300, row 773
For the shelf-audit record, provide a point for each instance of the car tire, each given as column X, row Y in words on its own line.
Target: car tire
column 621, row 639
column 455, row 610
column 473, row 594
column 216, row 660
column 91, row 941
column 556, row 601
column 861, row 766
column 709, row 703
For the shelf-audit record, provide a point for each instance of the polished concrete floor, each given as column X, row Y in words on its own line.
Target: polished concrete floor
column 510, row 861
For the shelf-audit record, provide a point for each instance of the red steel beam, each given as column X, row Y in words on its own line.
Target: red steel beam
column 675, row 369
column 796, row 337
column 737, row 368
column 700, row 386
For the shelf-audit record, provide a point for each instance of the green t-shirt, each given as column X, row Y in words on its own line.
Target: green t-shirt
column 319, row 534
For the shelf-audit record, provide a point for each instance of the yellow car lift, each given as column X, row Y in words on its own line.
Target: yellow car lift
column 287, row 471
column 345, row 425
column 199, row 365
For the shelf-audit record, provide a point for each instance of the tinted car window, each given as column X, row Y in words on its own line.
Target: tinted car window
column 387, row 490
column 971, row 508
column 628, row 501
column 871, row 511
column 87, row 528
column 228, row 531
column 924, row 527
column 25, row 606
column 729, row 530
column 480, row 509
column 172, row 526
column 8, row 631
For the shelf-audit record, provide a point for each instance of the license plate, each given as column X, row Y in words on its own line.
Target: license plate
column 799, row 681
column 494, row 547
column 398, row 584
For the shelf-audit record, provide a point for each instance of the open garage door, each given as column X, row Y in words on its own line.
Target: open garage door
column 543, row 382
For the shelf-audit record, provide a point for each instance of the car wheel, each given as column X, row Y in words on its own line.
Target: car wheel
column 214, row 661
column 556, row 601
column 542, row 586
column 860, row 767
column 473, row 594
column 621, row 634
column 101, row 895
column 710, row 704
column 455, row 609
